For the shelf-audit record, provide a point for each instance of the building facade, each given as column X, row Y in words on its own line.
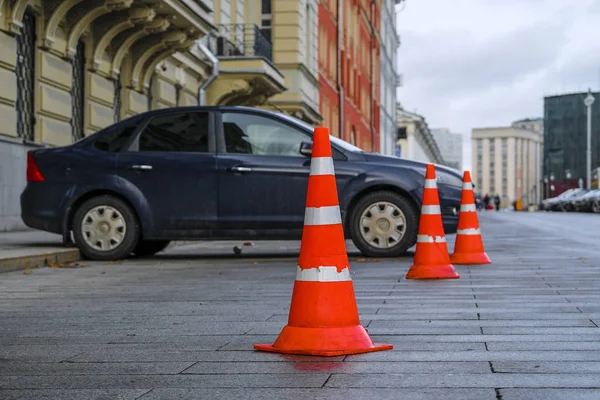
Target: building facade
column 71, row 67
column 390, row 42
column 414, row 140
column 349, row 64
column 565, row 142
column 451, row 146
column 507, row 161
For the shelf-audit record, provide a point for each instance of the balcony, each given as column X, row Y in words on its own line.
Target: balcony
column 245, row 40
column 247, row 75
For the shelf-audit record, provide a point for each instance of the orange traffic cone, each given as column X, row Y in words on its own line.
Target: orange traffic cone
column 323, row 317
column 468, row 248
column 431, row 257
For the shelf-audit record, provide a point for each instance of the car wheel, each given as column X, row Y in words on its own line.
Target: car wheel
column 105, row 229
column 384, row 224
column 147, row 248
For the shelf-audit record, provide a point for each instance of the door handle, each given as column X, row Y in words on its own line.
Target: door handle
column 141, row 167
column 241, row 169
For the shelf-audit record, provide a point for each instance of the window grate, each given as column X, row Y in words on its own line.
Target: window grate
column 25, row 72
column 78, row 93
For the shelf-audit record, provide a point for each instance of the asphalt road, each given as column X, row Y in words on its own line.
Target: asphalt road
column 182, row 325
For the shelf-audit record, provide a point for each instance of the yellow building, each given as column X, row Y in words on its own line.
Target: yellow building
column 267, row 52
column 69, row 68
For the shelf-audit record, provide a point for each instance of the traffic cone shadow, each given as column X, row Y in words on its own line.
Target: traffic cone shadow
column 468, row 247
column 323, row 318
column 431, row 256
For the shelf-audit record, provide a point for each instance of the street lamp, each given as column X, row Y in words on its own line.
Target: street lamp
column 589, row 100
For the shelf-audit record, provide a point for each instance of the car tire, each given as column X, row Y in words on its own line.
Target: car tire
column 146, row 248
column 402, row 208
column 110, row 223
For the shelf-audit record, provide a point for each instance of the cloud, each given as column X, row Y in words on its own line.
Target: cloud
column 475, row 63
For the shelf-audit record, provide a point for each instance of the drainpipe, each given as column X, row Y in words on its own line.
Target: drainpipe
column 213, row 76
column 340, row 87
column 373, row 75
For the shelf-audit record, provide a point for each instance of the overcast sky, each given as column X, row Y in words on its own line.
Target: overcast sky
column 478, row 63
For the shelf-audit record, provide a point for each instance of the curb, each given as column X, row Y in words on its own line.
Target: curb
column 46, row 259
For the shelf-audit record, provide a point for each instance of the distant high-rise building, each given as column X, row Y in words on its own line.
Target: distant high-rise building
column 451, row 146
column 507, row 161
column 565, row 141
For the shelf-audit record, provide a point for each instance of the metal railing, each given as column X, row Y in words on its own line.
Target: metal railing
column 240, row 40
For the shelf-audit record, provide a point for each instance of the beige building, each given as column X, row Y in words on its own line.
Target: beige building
column 508, row 161
column 69, row 68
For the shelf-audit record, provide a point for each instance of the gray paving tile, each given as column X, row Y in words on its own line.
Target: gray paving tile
column 548, row 346
column 191, row 356
column 71, row 368
column 477, row 356
column 340, row 367
column 465, row 381
column 593, row 330
column 567, row 367
column 550, row 394
column 74, row 394
column 322, row 394
column 314, row 380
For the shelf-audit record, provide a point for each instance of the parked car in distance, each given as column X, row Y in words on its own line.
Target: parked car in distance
column 585, row 203
column 209, row 172
column 568, row 203
column 553, row 203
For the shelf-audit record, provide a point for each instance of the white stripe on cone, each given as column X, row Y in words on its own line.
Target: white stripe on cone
column 322, row 166
column 430, row 184
column 431, row 210
column 468, row 185
column 430, row 239
column 468, row 208
column 329, row 215
column 469, row 231
column 323, row 274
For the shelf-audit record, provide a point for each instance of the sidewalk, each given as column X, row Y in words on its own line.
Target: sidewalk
column 19, row 250
column 28, row 249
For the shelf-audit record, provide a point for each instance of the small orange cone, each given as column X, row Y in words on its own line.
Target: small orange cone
column 468, row 248
column 431, row 257
column 323, row 317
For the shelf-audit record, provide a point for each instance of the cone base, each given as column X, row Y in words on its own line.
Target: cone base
column 327, row 342
column 470, row 258
column 442, row 271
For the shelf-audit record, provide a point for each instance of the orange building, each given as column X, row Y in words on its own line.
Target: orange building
column 349, row 70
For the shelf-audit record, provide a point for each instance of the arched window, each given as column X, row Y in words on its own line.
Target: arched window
column 25, row 71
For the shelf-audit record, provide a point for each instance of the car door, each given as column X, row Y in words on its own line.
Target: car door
column 262, row 176
column 172, row 165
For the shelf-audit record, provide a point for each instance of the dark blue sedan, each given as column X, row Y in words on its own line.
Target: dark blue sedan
column 202, row 173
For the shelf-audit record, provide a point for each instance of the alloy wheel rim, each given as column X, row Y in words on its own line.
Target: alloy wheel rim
column 103, row 228
column 382, row 225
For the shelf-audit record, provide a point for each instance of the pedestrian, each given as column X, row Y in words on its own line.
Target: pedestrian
column 486, row 201
column 497, row 202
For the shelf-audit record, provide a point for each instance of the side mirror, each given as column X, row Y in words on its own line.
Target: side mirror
column 306, row 148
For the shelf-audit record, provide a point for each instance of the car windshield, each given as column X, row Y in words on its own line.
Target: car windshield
column 339, row 142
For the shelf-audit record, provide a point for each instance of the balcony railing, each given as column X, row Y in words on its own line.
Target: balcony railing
column 240, row 40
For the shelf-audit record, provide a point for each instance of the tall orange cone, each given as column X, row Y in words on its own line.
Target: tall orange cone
column 468, row 248
column 431, row 257
column 323, row 317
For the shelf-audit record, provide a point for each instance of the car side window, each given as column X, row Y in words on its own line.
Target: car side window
column 178, row 132
column 115, row 140
column 258, row 135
